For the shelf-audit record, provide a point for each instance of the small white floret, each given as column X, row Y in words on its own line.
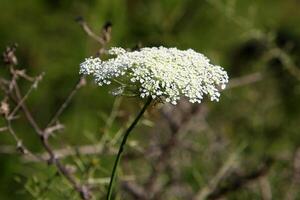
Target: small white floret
column 161, row 72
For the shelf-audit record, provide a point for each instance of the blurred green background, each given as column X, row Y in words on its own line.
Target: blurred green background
column 238, row 35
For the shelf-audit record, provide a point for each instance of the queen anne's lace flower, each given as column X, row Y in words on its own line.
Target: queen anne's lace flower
column 160, row 72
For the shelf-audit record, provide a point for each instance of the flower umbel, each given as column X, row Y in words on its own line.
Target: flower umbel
column 166, row 73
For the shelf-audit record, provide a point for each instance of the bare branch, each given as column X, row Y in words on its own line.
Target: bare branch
column 244, row 80
column 81, row 82
column 103, row 38
column 215, row 181
column 15, row 94
column 166, row 149
column 33, row 86
column 240, row 181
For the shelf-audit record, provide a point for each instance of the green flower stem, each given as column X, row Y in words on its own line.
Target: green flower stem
column 126, row 134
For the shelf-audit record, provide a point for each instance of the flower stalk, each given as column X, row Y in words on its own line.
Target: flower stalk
column 122, row 145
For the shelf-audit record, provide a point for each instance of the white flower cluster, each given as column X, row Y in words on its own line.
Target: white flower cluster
column 161, row 72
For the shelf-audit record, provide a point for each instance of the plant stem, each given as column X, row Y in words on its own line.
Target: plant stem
column 121, row 148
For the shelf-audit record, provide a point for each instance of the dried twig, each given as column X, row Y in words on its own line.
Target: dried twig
column 265, row 188
column 293, row 189
column 102, row 38
column 215, row 181
column 15, row 94
column 80, row 83
column 240, row 181
column 166, row 149
column 33, row 86
column 245, row 80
